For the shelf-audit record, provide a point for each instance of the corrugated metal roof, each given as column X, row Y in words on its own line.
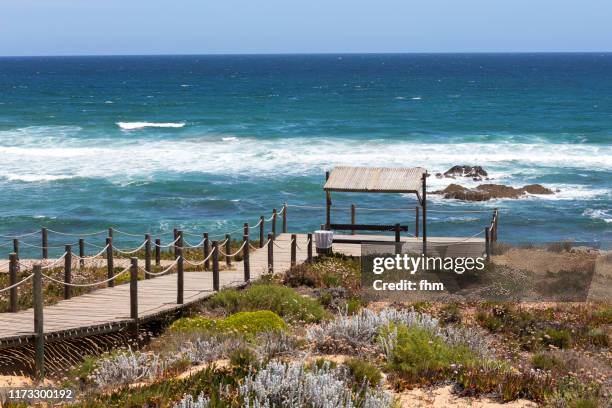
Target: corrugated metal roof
column 376, row 179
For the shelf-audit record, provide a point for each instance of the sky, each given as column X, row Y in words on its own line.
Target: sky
column 120, row 27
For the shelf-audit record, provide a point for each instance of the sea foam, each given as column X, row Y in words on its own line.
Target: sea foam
column 604, row 215
column 141, row 125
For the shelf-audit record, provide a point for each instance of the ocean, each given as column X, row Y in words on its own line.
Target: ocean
column 205, row 143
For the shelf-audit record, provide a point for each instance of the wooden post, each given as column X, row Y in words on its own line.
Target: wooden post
column 416, row 222
column 496, row 225
column 157, row 252
column 353, row 217
column 110, row 232
column 39, row 334
column 327, row 205
column 109, row 262
column 270, row 254
column 327, row 210
column 424, row 205
column 174, row 238
column 134, row 294
column 45, row 244
column 13, row 267
column 262, row 221
column 398, row 245
column 245, row 258
column 487, row 243
column 16, row 247
column 293, row 249
column 81, row 253
column 147, row 256
column 285, row 218
column 215, row 265
column 228, row 250
column 245, row 229
column 309, row 248
column 180, row 278
column 68, row 272
column 206, row 248
column 274, row 216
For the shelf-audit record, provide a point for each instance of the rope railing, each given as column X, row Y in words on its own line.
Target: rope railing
column 129, row 234
column 166, row 245
column 163, row 271
column 235, row 253
column 91, row 256
column 85, row 285
column 55, row 262
column 193, row 263
column 45, row 247
column 131, row 251
column 463, row 239
column 189, row 245
column 20, row 236
column 84, row 234
column 299, row 247
column 17, row 284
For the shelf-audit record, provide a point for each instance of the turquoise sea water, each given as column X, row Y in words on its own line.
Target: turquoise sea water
column 205, row 143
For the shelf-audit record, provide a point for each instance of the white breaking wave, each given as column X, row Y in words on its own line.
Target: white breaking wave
column 141, row 125
column 605, row 215
column 141, row 158
column 31, row 178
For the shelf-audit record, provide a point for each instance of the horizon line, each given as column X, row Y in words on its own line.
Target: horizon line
column 308, row 53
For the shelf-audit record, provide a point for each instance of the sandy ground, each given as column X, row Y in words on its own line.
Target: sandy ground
column 443, row 397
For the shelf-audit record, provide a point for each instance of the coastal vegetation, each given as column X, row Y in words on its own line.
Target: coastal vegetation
column 308, row 338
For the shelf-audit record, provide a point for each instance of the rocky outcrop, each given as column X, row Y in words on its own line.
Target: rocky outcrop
column 537, row 189
column 486, row 192
column 474, row 172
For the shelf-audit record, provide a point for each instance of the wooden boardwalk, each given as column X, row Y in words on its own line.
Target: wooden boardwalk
column 108, row 309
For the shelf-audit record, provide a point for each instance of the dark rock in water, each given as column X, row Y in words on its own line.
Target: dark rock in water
column 486, row 192
column 439, row 175
column 537, row 189
column 466, row 171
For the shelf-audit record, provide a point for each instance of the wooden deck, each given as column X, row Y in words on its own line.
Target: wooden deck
column 108, row 309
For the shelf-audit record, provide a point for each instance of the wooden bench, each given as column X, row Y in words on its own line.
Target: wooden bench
column 397, row 228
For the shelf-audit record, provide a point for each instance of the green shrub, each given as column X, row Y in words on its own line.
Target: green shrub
column 560, row 338
column 603, row 315
column 598, row 337
column 353, row 306
column 491, row 323
column 421, row 307
column 252, row 322
column 363, row 370
column 419, row 354
column 450, row 313
column 320, row 362
column 584, row 403
column 244, row 358
column 546, row 361
column 497, row 377
column 197, row 323
column 246, row 323
column 284, row 301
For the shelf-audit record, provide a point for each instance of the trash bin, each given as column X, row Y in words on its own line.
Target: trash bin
column 323, row 241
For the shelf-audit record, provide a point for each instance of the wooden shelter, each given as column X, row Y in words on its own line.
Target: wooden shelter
column 377, row 180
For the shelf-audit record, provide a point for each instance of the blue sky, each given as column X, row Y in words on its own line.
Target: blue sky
column 77, row 27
